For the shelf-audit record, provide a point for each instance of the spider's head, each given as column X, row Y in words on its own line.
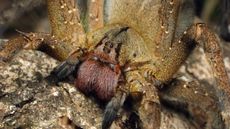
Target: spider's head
column 111, row 43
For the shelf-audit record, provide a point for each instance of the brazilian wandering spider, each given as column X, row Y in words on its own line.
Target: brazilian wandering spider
column 130, row 48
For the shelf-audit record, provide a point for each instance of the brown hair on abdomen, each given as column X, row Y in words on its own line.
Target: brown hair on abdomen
column 96, row 77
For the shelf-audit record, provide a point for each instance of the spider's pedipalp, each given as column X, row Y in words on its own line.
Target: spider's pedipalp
column 150, row 109
column 146, row 100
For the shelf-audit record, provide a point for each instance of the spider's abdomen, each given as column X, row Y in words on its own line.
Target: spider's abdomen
column 97, row 78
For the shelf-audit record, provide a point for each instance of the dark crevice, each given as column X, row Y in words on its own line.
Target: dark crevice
column 8, row 116
column 2, row 94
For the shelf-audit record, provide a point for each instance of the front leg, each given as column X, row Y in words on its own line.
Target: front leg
column 204, row 36
column 195, row 101
column 198, row 34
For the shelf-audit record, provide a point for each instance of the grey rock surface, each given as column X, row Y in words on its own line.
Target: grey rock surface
column 28, row 101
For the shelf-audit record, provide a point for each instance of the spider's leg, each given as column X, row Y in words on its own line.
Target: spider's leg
column 201, row 35
column 67, row 33
column 65, row 21
column 42, row 41
column 95, row 14
column 147, row 100
column 198, row 103
column 211, row 43
column 198, row 34
column 113, row 107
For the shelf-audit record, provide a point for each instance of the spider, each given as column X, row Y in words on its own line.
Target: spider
column 132, row 48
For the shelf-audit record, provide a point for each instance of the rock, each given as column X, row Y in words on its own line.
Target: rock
column 28, row 101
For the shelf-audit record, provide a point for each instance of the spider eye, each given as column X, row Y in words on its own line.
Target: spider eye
column 112, row 66
column 95, row 58
column 106, row 50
